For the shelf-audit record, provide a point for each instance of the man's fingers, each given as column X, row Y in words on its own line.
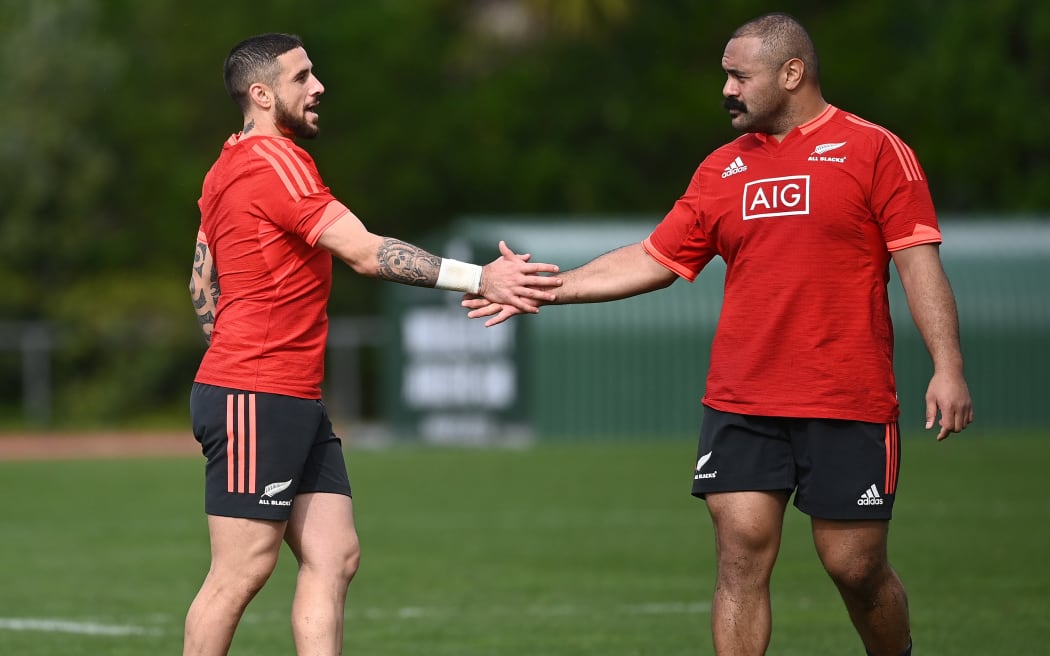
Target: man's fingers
column 473, row 302
column 931, row 413
column 542, row 281
column 525, row 305
column 535, row 294
column 500, row 318
column 486, row 311
column 539, row 267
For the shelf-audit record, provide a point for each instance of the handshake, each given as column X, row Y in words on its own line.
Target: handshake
column 511, row 285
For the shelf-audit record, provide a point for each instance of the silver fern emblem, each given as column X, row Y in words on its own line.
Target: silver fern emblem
column 274, row 489
column 823, row 148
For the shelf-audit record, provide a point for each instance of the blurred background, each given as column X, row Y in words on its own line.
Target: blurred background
column 567, row 127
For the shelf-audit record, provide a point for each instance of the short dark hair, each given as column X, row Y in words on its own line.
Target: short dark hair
column 255, row 60
column 783, row 38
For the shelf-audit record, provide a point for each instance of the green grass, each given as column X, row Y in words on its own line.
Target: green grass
column 553, row 550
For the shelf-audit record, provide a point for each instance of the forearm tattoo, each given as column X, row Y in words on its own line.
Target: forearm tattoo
column 204, row 289
column 407, row 264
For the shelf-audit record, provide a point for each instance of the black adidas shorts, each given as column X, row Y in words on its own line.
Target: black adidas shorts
column 262, row 450
column 837, row 469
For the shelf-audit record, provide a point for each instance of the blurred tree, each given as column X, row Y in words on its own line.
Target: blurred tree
column 57, row 163
column 434, row 109
column 964, row 83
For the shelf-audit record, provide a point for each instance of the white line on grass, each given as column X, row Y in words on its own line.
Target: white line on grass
column 53, row 625
column 59, row 625
column 537, row 610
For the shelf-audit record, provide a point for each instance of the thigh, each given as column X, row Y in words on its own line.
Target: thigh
column 847, row 470
column 748, row 528
column 257, row 446
column 321, row 530
column 851, row 549
column 244, row 549
column 742, row 452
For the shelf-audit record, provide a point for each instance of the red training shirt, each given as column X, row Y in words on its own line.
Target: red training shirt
column 806, row 227
column 263, row 208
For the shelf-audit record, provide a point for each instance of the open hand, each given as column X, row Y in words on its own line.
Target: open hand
column 512, row 280
column 479, row 307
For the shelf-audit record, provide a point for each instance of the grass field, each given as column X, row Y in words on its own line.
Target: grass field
column 552, row 550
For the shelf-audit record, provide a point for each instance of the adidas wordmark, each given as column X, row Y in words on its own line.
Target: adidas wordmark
column 736, row 166
column 870, row 497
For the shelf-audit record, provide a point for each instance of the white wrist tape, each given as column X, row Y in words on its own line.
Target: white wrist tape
column 459, row 276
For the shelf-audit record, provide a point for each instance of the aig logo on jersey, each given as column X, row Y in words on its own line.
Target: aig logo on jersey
column 785, row 196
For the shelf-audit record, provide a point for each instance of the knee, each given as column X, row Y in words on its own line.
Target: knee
column 351, row 560
column 746, row 556
column 242, row 579
column 858, row 573
column 254, row 578
column 341, row 564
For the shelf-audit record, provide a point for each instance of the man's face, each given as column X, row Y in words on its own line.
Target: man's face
column 752, row 91
column 297, row 95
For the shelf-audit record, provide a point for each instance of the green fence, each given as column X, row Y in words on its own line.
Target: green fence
column 637, row 366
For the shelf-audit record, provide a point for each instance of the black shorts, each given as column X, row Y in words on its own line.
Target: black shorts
column 263, row 450
column 838, row 469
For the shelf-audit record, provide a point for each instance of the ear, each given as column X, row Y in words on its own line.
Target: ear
column 792, row 73
column 261, row 95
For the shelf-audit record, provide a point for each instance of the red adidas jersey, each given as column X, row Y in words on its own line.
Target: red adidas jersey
column 263, row 208
column 806, row 227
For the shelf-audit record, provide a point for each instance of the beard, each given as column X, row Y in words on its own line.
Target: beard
column 295, row 125
column 764, row 115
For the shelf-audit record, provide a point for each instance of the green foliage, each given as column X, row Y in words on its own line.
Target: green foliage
column 435, row 109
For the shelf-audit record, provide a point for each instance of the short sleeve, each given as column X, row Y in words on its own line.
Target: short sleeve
column 290, row 193
column 679, row 242
column 900, row 196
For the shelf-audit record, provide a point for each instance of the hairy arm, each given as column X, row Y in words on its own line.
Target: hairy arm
column 204, row 288
column 932, row 306
column 624, row 272
column 509, row 279
column 621, row 273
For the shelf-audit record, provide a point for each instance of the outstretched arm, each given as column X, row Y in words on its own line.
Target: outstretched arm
column 624, row 272
column 933, row 309
column 204, row 287
column 510, row 279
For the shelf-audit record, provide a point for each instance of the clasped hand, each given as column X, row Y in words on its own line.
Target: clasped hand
column 511, row 285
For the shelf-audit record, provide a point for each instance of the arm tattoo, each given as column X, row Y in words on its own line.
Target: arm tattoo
column 204, row 289
column 407, row 264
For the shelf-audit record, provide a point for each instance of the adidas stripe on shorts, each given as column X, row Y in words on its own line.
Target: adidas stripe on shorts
column 837, row 469
column 264, row 449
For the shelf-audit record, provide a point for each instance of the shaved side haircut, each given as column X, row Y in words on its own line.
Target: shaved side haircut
column 255, row 60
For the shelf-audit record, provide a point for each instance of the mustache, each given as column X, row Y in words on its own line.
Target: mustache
column 734, row 104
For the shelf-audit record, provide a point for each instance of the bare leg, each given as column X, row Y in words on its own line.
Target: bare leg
column 322, row 536
column 855, row 556
column 748, row 527
column 243, row 555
